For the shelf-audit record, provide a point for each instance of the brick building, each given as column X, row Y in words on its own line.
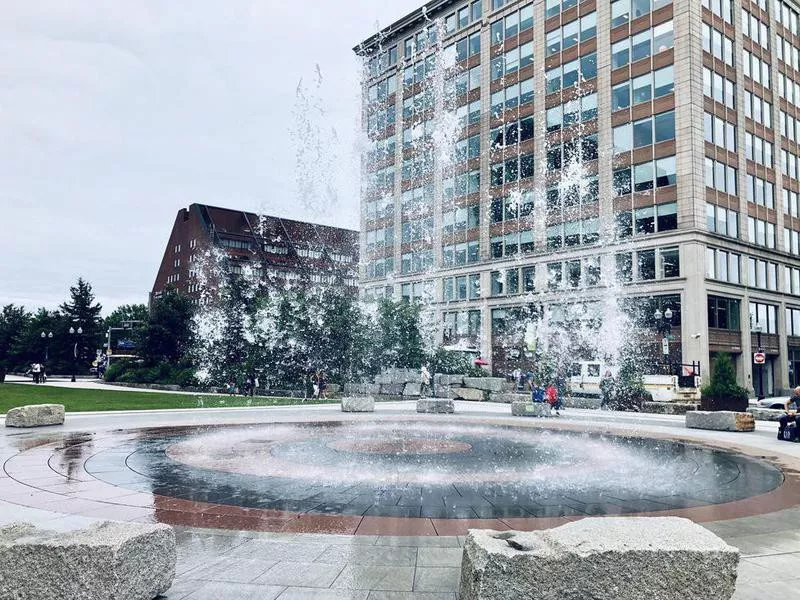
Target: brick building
column 686, row 117
column 278, row 250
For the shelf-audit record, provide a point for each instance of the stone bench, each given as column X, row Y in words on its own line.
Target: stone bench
column 35, row 415
column 435, row 405
column 531, row 409
column 358, row 404
column 108, row 561
column 720, row 420
column 766, row 414
column 663, row 558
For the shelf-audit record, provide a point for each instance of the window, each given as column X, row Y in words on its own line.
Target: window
column 761, row 233
column 515, row 22
column 670, row 263
column 719, row 88
column 717, row 44
column 755, row 68
column 724, row 313
column 722, row 265
column 570, row 34
column 760, row 191
column 762, row 274
column 644, row 132
column 721, row 8
column 720, row 176
column 765, row 315
column 567, row 75
column 644, row 176
column 791, row 282
column 719, row 132
column 642, row 45
column 722, row 220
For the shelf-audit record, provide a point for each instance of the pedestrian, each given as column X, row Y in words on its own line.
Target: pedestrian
column 529, row 376
column 606, row 389
column 791, row 407
column 231, row 387
column 43, row 374
column 551, row 394
column 315, row 379
column 425, row 381
column 36, row 369
column 323, row 385
column 516, row 375
column 256, row 385
column 537, row 392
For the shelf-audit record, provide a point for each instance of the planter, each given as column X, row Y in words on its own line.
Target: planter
column 731, row 403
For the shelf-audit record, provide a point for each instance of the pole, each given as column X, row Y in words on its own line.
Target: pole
column 760, row 370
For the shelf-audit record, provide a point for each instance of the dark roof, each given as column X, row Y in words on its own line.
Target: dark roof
column 269, row 228
column 430, row 10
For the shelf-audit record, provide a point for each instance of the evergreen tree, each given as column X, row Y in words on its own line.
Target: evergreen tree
column 14, row 322
column 81, row 311
column 722, row 391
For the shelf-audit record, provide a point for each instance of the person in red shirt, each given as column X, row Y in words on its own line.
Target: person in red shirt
column 551, row 395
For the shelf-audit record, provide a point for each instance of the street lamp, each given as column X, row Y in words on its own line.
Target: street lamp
column 47, row 337
column 758, row 329
column 664, row 323
column 75, row 350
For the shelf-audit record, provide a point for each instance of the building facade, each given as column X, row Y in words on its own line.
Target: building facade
column 276, row 250
column 684, row 117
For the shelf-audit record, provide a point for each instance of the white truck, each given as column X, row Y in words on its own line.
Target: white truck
column 585, row 380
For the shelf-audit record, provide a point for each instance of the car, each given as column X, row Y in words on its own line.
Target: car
column 771, row 403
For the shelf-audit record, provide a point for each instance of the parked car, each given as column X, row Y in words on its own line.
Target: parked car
column 771, row 403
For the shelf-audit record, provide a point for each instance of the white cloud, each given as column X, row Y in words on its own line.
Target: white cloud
column 116, row 114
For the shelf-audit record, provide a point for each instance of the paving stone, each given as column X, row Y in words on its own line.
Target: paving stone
column 412, row 596
column 437, row 579
column 239, row 570
column 370, row 555
column 316, row 574
column 278, row 551
column 306, row 593
column 369, row 577
column 439, row 557
column 418, row 541
column 235, row 591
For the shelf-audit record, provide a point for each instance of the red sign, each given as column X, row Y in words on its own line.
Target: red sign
column 759, row 358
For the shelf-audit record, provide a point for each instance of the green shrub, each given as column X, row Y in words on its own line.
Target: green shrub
column 722, row 391
column 454, row 363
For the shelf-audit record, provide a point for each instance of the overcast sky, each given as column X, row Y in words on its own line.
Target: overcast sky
column 116, row 114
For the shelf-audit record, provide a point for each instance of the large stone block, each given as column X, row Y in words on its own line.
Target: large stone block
column 35, row 415
column 435, row 405
column 489, row 384
column 591, row 402
column 720, row 420
column 353, row 389
column 358, row 404
column 664, row 558
column 392, row 389
column 531, row 409
column 108, row 561
column 508, row 397
column 412, row 388
column 766, row 414
column 668, row 408
column 452, row 379
column 469, row 394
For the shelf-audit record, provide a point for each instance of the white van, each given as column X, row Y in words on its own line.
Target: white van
column 585, row 377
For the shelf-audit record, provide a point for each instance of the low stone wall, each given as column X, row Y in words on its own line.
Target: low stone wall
column 664, row 558
column 766, row 414
column 35, row 415
column 435, row 405
column 590, row 402
column 668, row 408
column 531, row 409
column 721, row 420
column 358, row 404
column 108, row 561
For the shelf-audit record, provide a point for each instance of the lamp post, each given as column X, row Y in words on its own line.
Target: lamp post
column 75, row 350
column 664, row 323
column 758, row 329
column 47, row 338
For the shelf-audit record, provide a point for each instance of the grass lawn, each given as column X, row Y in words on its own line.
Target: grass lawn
column 78, row 400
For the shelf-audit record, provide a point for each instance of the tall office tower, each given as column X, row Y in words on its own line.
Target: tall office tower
column 640, row 149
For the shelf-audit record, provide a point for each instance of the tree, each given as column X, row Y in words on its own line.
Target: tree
column 81, row 311
column 722, row 391
column 14, row 321
column 400, row 337
column 126, row 312
column 167, row 336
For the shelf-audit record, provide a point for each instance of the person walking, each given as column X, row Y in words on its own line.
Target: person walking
column 315, row 379
column 425, row 381
column 36, row 370
column 323, row 385
column 516, row 375
column 791, row 407
column 537, row 392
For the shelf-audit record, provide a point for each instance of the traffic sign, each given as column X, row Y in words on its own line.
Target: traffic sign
column 759, row 358
column 665, row 345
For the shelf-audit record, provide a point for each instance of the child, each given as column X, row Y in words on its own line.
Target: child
column 551, row 393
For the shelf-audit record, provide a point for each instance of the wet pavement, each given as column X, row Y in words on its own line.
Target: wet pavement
column 104, row 466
